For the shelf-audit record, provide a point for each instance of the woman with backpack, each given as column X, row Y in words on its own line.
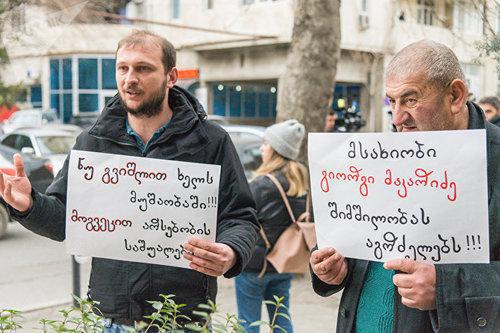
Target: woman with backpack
column 260, row 281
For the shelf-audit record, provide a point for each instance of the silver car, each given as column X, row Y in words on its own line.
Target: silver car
column 247, row 141
column 42, row 142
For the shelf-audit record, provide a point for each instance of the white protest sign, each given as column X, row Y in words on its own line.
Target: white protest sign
column 138, row 209
column 419, row 195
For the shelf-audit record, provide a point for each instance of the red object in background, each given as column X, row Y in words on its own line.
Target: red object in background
column 188, row 74
column 5, row 112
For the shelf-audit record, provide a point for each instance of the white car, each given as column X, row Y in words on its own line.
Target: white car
column 247, row 141
column 42, row 142
column 35, row 118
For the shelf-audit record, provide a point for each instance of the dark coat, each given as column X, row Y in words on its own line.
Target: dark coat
column 272, row 215
column 122, row 288
column 496, row 120
column 467, row 295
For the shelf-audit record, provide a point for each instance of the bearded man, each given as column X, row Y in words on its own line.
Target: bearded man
column 152, row 118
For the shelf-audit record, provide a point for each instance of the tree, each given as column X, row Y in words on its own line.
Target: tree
column 8, row 94
column 306, row 86
column 489, row 46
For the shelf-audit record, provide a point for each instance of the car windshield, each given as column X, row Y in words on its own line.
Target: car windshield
column 55, row 144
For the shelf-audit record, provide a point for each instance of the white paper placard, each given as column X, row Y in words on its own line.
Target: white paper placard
column 138, row 209
column 381, row 196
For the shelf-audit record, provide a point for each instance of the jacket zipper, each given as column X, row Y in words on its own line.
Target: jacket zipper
column 118, row 142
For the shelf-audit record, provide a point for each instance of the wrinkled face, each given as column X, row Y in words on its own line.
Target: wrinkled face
column 141, row 79
column 267, row 152
column 417, row 105
column 489, row 111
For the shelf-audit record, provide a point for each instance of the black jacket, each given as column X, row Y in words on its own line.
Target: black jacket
column 496, row 121
column 467, row 295
column 272, row 215
column 122, row 288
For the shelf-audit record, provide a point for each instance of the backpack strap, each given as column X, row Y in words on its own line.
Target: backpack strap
column 268, row 247
column 283, row 196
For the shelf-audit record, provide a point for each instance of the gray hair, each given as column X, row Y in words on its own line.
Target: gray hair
column 435, row 61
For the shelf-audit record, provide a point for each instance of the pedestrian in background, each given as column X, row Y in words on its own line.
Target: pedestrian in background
column 280, row 150
column 491, row 108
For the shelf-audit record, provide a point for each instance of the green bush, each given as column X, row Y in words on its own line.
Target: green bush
column 86, row 318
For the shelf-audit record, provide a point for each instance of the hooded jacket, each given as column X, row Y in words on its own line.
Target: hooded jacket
column 123, row 288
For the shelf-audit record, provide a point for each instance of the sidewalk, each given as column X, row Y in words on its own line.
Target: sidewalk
column 310, row 312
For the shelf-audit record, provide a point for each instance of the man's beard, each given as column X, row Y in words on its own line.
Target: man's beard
column 149, row 107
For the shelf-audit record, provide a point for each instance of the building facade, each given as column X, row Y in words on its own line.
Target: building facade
column 232, row 53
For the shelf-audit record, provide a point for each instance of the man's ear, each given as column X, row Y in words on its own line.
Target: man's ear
column 459, row 93
column 172, row 77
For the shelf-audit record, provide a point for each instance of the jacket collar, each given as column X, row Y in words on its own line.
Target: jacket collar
column 187, row 112
column 476, row 116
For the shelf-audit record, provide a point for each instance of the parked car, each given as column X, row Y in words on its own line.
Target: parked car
column 247, row 140
column 48, row 143
column 85, row 120
column 221, row 120
column 38, row 170
column 35, row 118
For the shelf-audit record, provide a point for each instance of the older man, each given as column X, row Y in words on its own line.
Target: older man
column 152, row 118
column 426, row 89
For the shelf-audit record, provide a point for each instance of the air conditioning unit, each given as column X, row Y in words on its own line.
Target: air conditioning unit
column 363, row 21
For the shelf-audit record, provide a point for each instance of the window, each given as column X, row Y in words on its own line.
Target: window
column 364, row 6
column 54, row 144
column 425, row 12
column 244, row 100
column 36, row 95
column 61, row 85
column 472, row 74
column 235, row 101
column 208, row 4
column 54, row 74
column 87, row 73
column 10, row 141
column 175, row 9
column 88, row 102
column 23, row 141
column 108, row 73
column 467, row 18
column 81, row 84
column 67, row 74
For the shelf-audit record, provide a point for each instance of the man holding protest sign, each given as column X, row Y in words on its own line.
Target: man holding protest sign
column 151, row 118
column 427, row 91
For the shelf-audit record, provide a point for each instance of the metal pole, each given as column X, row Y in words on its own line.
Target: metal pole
column 76, row 279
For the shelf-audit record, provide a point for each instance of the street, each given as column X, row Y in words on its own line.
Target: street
column 36, row 278
column 36, row 271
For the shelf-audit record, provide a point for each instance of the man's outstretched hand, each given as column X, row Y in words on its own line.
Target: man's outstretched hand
column 16, row 190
